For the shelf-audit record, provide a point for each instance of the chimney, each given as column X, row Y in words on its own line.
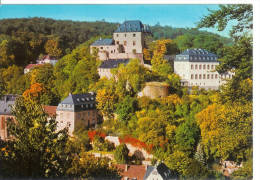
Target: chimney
column 126, row 167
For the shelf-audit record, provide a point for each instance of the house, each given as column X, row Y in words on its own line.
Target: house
column 29, row 67
column 47, row 59
column 77, row 111
column 159, row 172
column 128, row 42
column 104, row 70
column 6, row 103
column 131, row 172
column 197, row 67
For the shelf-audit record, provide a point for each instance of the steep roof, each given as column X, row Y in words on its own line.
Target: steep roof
column 102, row 42
column 132, row 171
column 30, row 66
column 6, row 103
column 133, row 26
column 161, row 169
column 78, row 102
column 113, row 63
column 50, row 110
column 196, row 55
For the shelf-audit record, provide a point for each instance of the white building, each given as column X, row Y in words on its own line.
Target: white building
column 47, row 60
column 197, row 67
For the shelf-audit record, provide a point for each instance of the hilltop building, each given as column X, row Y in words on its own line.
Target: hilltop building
column 197, row 67
column 128, row 42
column 45, row 60
column 77, row 110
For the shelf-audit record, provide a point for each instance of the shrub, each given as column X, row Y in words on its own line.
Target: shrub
column 121, row 154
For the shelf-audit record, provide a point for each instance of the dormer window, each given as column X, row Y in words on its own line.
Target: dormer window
column 134, row 35
column 125, row 35
column 116, row 35
column 78, row 100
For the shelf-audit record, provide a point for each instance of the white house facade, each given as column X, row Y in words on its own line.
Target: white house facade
column 197, row 67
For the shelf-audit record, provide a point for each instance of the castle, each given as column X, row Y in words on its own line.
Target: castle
column 196, row 67
column 128, row 42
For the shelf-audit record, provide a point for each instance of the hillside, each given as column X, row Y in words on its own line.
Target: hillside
column 27, row 38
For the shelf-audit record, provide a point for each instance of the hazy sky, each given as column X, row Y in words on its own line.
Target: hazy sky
column 172, row 15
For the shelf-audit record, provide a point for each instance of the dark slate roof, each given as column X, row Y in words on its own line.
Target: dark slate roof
column 161, row 169
column 133, row 26
column 197, row 55
column 102, row 42
column 113, row 63
column 6, row 103
column 78, row 102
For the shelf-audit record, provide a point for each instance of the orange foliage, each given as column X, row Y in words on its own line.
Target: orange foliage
column 34, row 91
column 136, row 143
column 92, row 134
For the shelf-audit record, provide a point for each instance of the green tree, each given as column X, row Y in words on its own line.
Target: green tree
column 6, row 56
column 36, row 148
column 87, row 166
column 240, row 14
column 13, row 80
column 121, row 154
column 187, row 135
column 126, row 109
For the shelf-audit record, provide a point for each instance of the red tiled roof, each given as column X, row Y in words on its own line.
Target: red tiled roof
column 133, row 171
column 29, row 66
column 51, row 110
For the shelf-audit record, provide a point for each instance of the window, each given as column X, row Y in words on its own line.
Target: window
column 208, row 76
column 196, row 66
column 117, row 42
column 196, row 76
column 112, row 51
column 200, row 76
column 216, row 76
column 116, row 35
column 204, row 76
column 125, row 35
column 125, row 43
column 212, row 66
column 208, row 67
column 191, row 76
column 191, row 66
column 101, row 47
column 133, row 43
column 204, row 66
column 200, row 66
column 133, row 35
column 3, row 123
column 212, row 76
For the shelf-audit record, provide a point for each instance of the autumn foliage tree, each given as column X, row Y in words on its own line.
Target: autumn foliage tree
column 52, row 48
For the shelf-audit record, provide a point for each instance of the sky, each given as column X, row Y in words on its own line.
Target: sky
column 173, row 15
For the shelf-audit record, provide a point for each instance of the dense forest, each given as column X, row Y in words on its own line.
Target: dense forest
column 191, row 131
column 27, row 38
